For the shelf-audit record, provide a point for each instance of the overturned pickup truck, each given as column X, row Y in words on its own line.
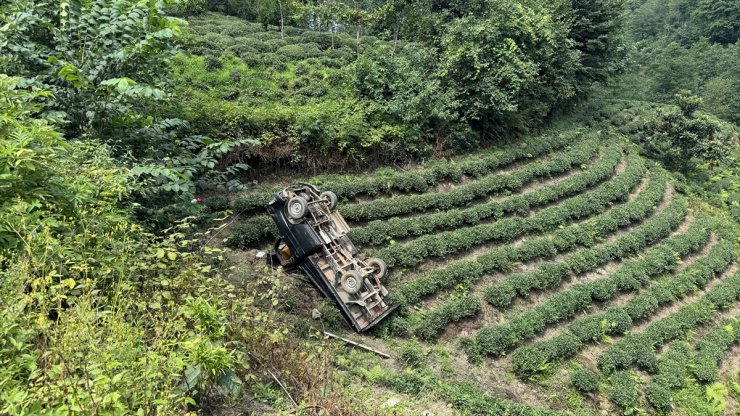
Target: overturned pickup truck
column 313, row 238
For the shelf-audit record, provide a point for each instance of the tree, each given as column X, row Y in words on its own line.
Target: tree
column 680, row 138
column 487, row 61
column 722, row 98
column 273, row 12
column 103, row 60
column 596, row 29
column 674, row 68
column 719, row 20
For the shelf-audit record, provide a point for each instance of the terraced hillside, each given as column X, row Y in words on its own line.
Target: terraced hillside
column 565, row 273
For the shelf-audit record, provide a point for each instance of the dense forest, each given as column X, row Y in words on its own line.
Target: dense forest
column 555, row 187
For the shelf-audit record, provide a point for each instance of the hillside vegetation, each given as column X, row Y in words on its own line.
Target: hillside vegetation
column 534, row 260
column 554, row 186
column 324, row 97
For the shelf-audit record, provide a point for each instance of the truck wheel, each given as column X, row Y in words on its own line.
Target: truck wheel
column 379, row 267
column 297, row 208
column 332, row 197
column 351, row 282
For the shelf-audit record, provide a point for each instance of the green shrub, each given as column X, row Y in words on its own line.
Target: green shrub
column 705, row 371
column 411, row 354
column 216, row 203
column 623, row 389
column 274, row 61
column 637, row 348
column 713, row 347
column 469, row 399
column 242, row 51
column 274, row 45
column 301, row 51
column 616, row 320
column 672, row 366
column 98, row 315
column 528, row 360
column 431, row 323
column 584, row 380
column 659, row 397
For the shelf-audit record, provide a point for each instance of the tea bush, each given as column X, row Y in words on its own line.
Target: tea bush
column 671, row 373
column 623, row 389
column 468, row 271
column 384, row 182
column 631, row 347
column 584, row 380
column 659, row 397
column 712, row 348
column 433, row 321
column 617, row 320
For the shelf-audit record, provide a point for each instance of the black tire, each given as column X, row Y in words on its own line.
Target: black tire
column 332, row 197
column 296, row 208
column 379, row 267
column 351, row 282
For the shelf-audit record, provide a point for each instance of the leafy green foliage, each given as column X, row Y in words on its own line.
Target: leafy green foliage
column 713, row 347
column 100, row 80
column 633, row 347
column 386, row 181
column 617, row 320
column 99, row 316
column 40, row 172
column 623, row 389
column 499, row 66
column 596, row 31
column 678, row 138
column 112, row 86
column 718, row 20
column 584, row 380
column 461, row 239
column 485, row 66
column 684, row 44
